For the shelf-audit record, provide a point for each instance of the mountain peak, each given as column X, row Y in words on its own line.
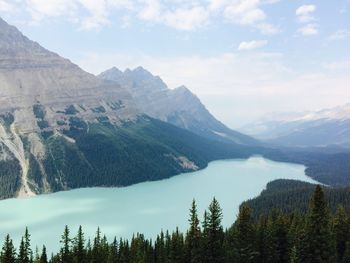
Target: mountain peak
column 141, row 72
column 183, row 88
column 113, row 70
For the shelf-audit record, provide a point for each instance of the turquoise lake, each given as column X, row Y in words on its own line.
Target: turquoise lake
column 146, row 207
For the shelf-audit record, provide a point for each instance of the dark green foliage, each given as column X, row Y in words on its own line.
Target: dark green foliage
column 61, row 123
column 7, row 118
column 40, row 114
column 43, row 257
column 35, row 174
column 289, row 196
column 320, row 242
column 65, row 252
column 10, row 180
column 8, row 252
column 193, row 239
column 42, row 124
column 346, row 257
column 65, row 166
column 39, row 111
column 79, row 251
column 213, row 234
column 99, row 109
column 71, row 110
column 341, row 229
column 241, row 238
column 143, row 150
column 46, row 134
column 25, row 253
column 331, row 168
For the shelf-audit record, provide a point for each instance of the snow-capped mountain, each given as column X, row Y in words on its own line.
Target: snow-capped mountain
column 313, row 128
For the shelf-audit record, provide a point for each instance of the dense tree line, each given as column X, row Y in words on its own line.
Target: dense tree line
column 10, row 177
column 316, row 236
column 289, row 196
column 328, row 166
column 125, row 154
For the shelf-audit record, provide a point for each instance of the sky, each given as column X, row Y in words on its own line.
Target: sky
column 242, row 58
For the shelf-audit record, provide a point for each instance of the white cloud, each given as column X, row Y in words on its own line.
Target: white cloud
column 179, row 14
column 40, row 9
column 187, row 19
column 244, row 12
column 6, row 7
column 305, row 16
column 268, row 29
column 340, row 34
column 182, row 18
column 89, row 14
column 250, row 45
column 304, row 13
column 309, row 30
column 151, row 10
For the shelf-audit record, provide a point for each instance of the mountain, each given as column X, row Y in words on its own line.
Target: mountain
column 328, row 127
column 179, row 106
column 63, row 128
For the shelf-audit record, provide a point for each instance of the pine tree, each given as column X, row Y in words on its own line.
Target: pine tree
column 177, row 247
column 66, row 246
column 160, row 251
column 98, row 249
column 215, row 234
column 244, row 236
column 346, row 256
column 43, row 257
column 25, row 252
column 318, row 230
column 341, row 231
column 205, row 238
column 8, row 252
column 262, row 239
column 278, row 238
column 113, row 252
column 79, row 252
column 193, row 240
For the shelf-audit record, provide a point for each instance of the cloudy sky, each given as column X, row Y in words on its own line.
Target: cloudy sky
column 243, row 58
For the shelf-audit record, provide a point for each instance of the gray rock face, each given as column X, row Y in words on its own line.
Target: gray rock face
column 30, row 74
column 177, row 106
column 42, row 93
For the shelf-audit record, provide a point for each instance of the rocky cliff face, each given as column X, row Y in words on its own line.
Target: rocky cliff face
column 63, row 128
column 41, row 94
column 176, row 106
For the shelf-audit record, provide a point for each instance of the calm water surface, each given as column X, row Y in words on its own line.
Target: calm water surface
column 146, row 207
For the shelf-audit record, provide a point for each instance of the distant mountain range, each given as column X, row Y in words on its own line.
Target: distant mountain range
column 328, row 127
column 178, row 106
column 63, row 128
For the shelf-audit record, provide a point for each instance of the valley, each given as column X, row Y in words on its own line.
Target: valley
column 117, row 115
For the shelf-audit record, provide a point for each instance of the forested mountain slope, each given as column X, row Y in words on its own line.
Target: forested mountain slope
column 291, row 196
